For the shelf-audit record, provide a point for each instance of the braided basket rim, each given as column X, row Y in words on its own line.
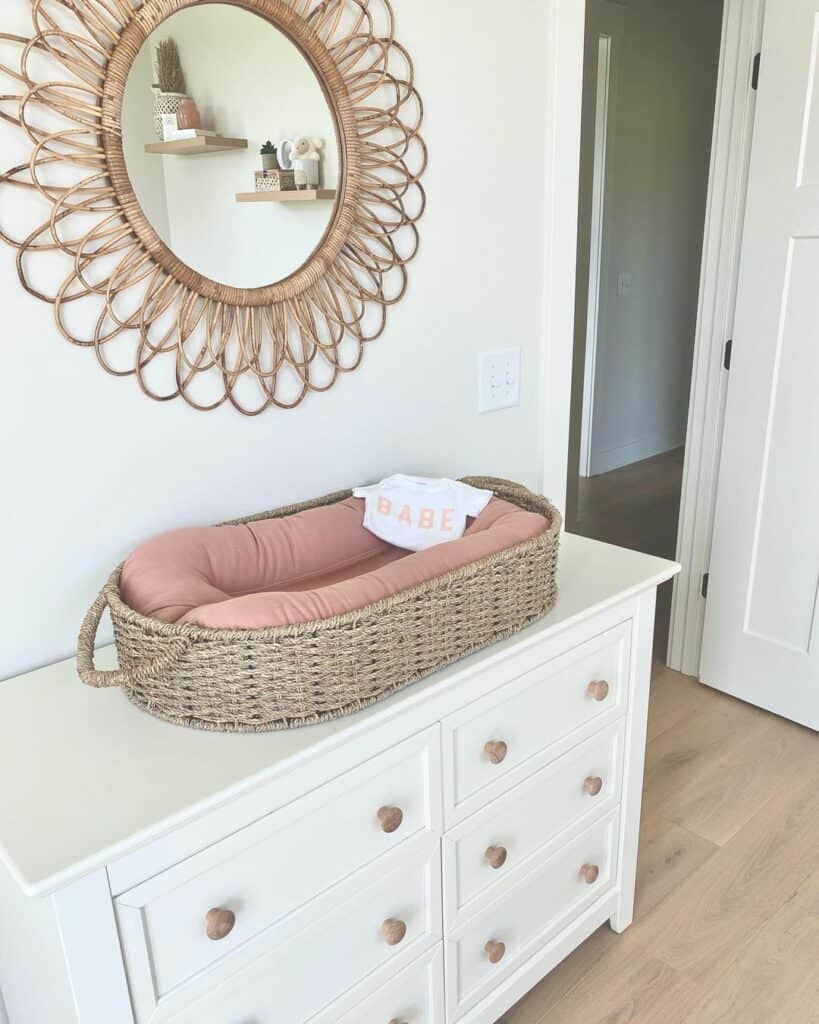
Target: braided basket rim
column 506, row 489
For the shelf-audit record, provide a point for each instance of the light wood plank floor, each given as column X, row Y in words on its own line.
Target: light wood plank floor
column 727, row 916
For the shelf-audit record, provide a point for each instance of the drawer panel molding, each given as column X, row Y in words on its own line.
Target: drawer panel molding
column 209, row 907
column 494, row 846
column 308, row 968
column 501, row 938
column 414, row 996
column 491, row 745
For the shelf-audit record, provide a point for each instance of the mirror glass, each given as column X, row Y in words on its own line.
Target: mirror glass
column 230, row 145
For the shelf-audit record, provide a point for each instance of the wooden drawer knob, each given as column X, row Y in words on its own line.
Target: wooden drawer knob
column 496, row 856
column 495, row 951
column 496, row 751
column 590, row 873
column 592, row 785
column 598, row 690
column 393, row 931
column 219, row 923
column 390, row 818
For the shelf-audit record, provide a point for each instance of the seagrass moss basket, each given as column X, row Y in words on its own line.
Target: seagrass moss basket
column 288, row 676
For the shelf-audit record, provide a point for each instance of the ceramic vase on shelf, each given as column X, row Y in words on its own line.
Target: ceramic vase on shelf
column 307, row 173
column 166, row 103
column 188, row 115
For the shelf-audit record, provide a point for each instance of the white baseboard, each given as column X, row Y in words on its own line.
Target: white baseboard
column 636, row 451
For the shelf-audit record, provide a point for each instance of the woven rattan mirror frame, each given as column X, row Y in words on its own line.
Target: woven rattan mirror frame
column 149, row 307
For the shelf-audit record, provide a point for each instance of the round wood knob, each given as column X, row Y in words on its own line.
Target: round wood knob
column 219, row 923
column 390, row 818
column 590, row 873
column 592, row 785
column 598, row 689
column 496, row 751
column 495, row 951
column 393, row 931
column 496, row 856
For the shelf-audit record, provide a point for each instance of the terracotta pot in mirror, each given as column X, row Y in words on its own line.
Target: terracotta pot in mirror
column 188, row 115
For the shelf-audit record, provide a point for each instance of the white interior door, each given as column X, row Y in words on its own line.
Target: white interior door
column 761, row 639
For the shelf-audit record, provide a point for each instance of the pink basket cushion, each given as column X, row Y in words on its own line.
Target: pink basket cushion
column 310, row 566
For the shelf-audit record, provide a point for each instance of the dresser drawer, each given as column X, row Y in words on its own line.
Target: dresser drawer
column 415, row 996
column 306, row 969
column 492, row 846
column 499, row 939
column 493, row 743
column 266, row 871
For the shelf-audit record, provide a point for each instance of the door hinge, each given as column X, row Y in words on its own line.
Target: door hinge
column 704, row 587
column 726, row 357
column 755, row 72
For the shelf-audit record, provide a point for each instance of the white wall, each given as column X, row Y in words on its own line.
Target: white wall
column 660, row 139
column 249, row 81
column 91, row 467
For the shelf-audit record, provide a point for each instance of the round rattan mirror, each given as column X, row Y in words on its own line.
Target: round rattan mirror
column 238, row 81
column 327, row 221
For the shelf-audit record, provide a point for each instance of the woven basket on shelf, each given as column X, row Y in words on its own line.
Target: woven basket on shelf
column 166, row 103
column 288, row 676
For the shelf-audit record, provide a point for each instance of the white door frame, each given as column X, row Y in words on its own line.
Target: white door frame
column 611, row 21
column 724, row 218
column 565, row 25
column 601, row 153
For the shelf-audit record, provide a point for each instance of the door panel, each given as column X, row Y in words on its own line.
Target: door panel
column 783, row 580
column 760, row 641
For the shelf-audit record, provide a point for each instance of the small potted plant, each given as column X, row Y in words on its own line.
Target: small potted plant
column 270, row 161
column 169, row 93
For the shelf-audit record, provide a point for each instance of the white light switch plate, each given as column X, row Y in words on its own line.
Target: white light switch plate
column 498, row 379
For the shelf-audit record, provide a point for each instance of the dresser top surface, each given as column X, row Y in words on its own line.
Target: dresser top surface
column 88, row 776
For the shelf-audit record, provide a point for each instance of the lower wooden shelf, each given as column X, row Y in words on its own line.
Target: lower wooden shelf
column 201, row 144
column 305, row 195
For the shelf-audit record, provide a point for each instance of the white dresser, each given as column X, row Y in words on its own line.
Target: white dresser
column 425, row 861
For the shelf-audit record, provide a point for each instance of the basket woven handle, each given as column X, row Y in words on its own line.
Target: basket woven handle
column 92, row 676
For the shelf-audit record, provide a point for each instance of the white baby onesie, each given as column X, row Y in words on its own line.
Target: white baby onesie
column 416, row 512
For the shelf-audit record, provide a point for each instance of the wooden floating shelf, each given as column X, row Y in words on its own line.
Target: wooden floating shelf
column 201, row 144
column 304, row 195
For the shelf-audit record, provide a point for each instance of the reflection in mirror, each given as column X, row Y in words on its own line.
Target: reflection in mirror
column 203, row 127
